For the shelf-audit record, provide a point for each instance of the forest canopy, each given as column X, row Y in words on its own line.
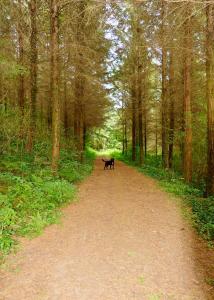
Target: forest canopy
column 135, row 75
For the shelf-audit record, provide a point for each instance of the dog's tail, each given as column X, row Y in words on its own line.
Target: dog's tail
column 103, row 160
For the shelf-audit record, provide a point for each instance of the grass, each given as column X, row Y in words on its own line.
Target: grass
column 106, row 152
column 30, row 196
column 202, row 209
column 154, row 297
column 210, row 281
column 141, row 280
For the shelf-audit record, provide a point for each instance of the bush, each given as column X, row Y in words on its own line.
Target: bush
column 29, row 205
column 30, row 195
column 203, row 210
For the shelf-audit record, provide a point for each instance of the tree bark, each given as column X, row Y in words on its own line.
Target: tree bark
column 210, row 100
column 140, row 111
column 145, row 115
column 79, row 112
column 164, row 92
column 66, row 125
column 126, row 139
column 21, row 88
column 171, row 108
column 84, row 135
column 80, row 82
column 33, row 73
column 187, row 163
column 133, row 96
column 123, row 141
column 54, row 10
column 145, row 132
column 123, row 127
column 156, row 136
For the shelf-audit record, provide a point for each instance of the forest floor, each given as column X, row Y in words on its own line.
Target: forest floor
column 125, row 239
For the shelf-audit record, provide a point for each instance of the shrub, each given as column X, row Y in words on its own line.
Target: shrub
column 30, row 195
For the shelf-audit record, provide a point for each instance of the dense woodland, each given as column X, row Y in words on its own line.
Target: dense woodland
column 164, row 82
column 52, row 72
column 135, row 75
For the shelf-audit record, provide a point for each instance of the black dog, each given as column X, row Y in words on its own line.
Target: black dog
column 108, row 163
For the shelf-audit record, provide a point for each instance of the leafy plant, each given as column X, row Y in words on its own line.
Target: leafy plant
column 30, row 195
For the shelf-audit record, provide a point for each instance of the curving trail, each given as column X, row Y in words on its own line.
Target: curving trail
column 124, row 240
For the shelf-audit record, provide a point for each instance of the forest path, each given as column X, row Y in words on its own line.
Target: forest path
column 124, row 240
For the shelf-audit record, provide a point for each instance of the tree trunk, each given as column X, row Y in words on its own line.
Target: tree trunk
column 171, row 108
column 164, row 92
column 54, row 10
column 210, row 100
column 145, row 132
column 79, row 112
column 50, row 102
column 156, row 136
column 145, row 118
column 126, row 140
column 123, row 127
column 140, row 113
column 80, row 82
column 76, row 118
column 123, row 141
column 21, row 88
column 33, row 73
column 65, row 115
column 133, row 96
column 187, row 163
column 84, row 135
column 81, row 144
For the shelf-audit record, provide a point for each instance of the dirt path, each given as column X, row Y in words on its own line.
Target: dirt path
column 124, row 240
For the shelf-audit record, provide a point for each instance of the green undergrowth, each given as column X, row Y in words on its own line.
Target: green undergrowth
column 30, row 196
column 106, row 152
column 202, row 209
